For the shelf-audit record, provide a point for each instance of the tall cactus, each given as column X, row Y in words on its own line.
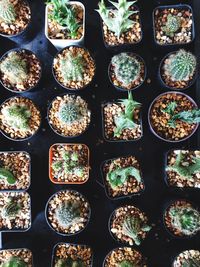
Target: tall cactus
column 7, row 11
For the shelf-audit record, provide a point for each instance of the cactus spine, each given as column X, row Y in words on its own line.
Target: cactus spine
column 7, row 11
column 68, row 113
column 173, row 24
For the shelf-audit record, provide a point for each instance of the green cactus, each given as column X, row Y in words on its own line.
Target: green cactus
column 15, row 68
column 17, row 116
column 14, row 262
column 68, row 213
column 191, row 262
column 172, row 25
column 126, row 263
column 126, row 68
column 8, row 176
column 7, row 11
column 69, row 112
column 11, row 209
column 132, row 226
column 180, row 66
column 70, row 263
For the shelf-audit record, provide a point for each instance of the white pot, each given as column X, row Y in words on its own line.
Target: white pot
column 62, row 43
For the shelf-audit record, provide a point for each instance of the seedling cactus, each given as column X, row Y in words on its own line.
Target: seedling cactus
column 191, row 262
column 7, row 12
column 125, row 263
column 7, row 175
column 173, row 25
column 69, row 113
column 14, row 262
column 11, row 209
column 69, row 263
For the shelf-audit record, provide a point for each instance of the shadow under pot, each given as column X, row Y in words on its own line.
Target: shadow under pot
column 74, row 68
column 127, row 71
column 68, row 212
column 182, row 219
column 124, row 257
column 20, row 70
column 173, row 25
column 20, row 118
column 187, row 258
column 129, row 225
column 66, row 254
column 173, row 117
column 21, row 257
column 182, row 169
column 178, row 70
column 69, row 116
column 122, row 177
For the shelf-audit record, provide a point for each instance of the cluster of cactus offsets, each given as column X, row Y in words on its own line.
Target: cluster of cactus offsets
column 72, row 67
column 14, row 262
column 11, row 209
column 68, row 113
column 127, row 68
column 15, row 68
column 68, row 213
column 69, row 263
column 117, row 20
column 172, row 25
column 7, row 176
column 17, row 116
column 7, row 11
column 185, row 219
column 180, row 66
column 125, row 263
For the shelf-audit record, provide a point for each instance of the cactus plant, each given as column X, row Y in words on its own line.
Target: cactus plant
column 180, row 66
column 7, row 11
column 70, row 263
column 15, row 68
column 191, row 262
column 7, row 175
column 14, row 262
column 11, row 209
column 126, row 263
column 69, row 112
column 173, row 24
column 127, row 68
column 118, row 20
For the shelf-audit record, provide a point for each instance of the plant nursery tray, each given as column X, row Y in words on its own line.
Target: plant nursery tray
column 159, row 247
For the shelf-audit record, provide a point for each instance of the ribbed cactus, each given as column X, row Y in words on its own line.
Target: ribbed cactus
column 7, row 175
column 17, row 116
column 68, row 213
column 15, row 68
column 126, row 263
column 173, row 24
column 7, row 11
column 69, row 263
column 191, row 262
column 14, row 262
column 11, row 209
column 126, row 68
column 180, row 66
column 68, row 113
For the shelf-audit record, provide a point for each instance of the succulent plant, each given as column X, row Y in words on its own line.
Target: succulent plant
column 7, row 11
column 117, row 20
column 17, row 116
column 70, row 263
column 69, row 112
column 127, row 68
column 180, row 66
column 14, row 262
column 132, row 226
column 191, row 262
column 68, row 213
column 15, row 68
column 7, row 175
column 173, row 24
column 126, row 263
column 11, row 209
column 186, row 219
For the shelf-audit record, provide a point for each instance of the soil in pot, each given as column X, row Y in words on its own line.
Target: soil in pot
column 122, row 177
column 74, row 68
column 72, row 255
column 173, row 116
column 124, row 257
column 68, row 212
column 19, row 118
column 182, row 219
column 187, row 258
column 122, row 120
column 14, row 170
column 69, row 115
column 183, row 168
column 69, row 163
column 20, row 70
column 16, row 257
column 173, row 25
column 129, row 225
column 15, row 211
column 178, row 70
column 127, row 71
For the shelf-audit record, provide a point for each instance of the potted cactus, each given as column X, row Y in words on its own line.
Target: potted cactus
column 122, row 177
column 182, row 219
column 20, row 70
column 65, row 254
column 183, row 168
column 21, row 257
column 129, row 225
column 74, row 68
column 15, row 17
column 65, row 23
column 69, row 115
column 122, row 120
column 173, row 25
column 121, row 24
column 67, row 212
column 124, row 257
column 187, row 258
column 15, row 170
column 173, row 117
column 127, row 71
column 178, row 70
column 20, row 119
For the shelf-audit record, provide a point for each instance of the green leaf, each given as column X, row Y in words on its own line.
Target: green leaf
column 170, row 109
column 6, row 174
column 190, row 116
column 122, row 123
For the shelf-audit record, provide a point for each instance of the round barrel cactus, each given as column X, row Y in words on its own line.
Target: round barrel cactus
column 14, row 262
column 69, row 113
column 173, row 24
column 69, row 263
column 7, row 11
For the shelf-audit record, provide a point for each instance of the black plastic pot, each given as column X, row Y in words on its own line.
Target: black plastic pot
column 29, row 89
column 180, row 6
column 123, row 88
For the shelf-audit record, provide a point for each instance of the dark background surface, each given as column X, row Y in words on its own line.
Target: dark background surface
column 159, row 247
